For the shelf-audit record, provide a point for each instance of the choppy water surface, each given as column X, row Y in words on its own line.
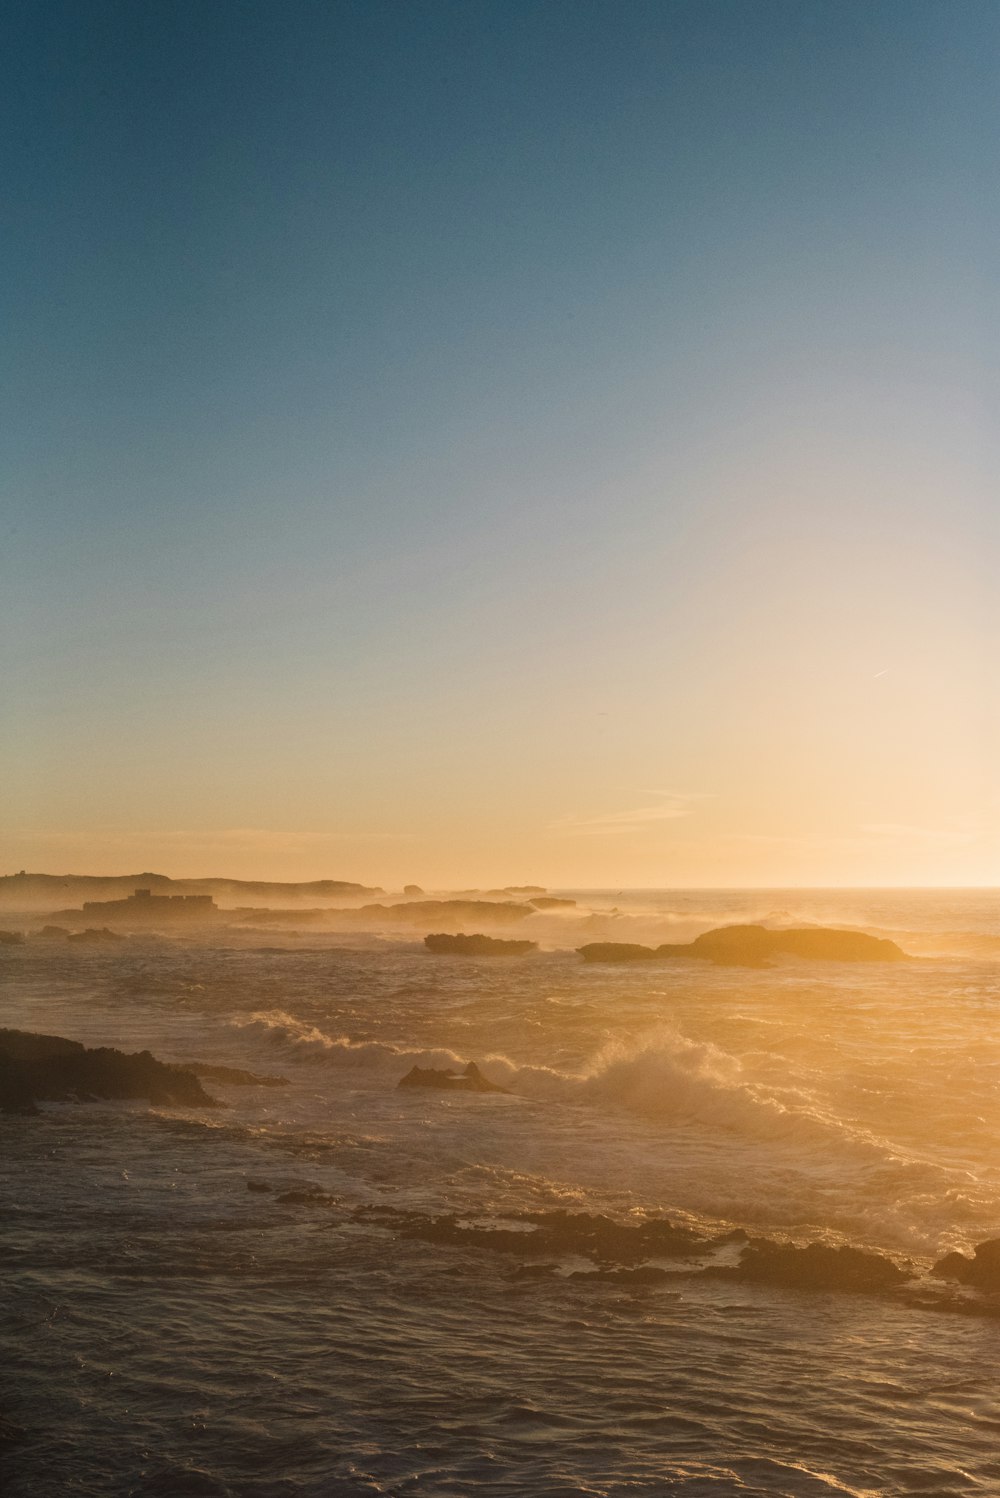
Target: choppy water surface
column 172, row 1332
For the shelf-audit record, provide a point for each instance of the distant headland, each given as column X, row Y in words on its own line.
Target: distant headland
column 27, row 892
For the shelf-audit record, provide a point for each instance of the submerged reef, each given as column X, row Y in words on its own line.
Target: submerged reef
column 752, row 946
column 477, row 945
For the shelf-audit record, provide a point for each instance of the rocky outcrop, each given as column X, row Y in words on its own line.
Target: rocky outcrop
column 469, row 1080
column 477, row 945
column 48, row 1068
column 982, row 1272
column 552, row 902
column 96, row 936
column 817, row 1267
column 617, row 951
column 753, row 946
column 11, row 938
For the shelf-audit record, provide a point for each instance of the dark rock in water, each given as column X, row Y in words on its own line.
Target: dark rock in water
column 740, row 943
column 95, row 936
column 232, row 1076
column 817, row 1267
column 47, row 1068
column 412, row 889
column 469, row 1080
column 608, row 1244
column 11, row 938
column 477, row 945
column 259, row 1186
column 616, row 951
column 953, row 1266
column 53, row 933
column 552, row 902
column 752, row 946
column 981, row 1272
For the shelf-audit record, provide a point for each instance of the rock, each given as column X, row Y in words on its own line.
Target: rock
column 552, row 902
column 48, row 1068
column 953, row 1266
column 740, row 943
column 93, row 935
column 818, row 1267
column 752, row 946
column 616, row 951
column 53, row 933
column 11, row 938
column 981, row 1272
column 470, row 1080
column 412, row 889
column 477, row 945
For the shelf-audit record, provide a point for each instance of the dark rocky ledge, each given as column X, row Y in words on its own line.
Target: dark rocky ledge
column 817, row 1267
column 47, row 1068
column 648, row 1251
column 469, row 1080
column 752, row 946
column 477, row 945
column 628, row 1251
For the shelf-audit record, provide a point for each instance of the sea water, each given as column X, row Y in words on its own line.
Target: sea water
column 169, row 1331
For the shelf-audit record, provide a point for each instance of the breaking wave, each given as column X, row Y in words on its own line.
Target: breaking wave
column 663, row 1077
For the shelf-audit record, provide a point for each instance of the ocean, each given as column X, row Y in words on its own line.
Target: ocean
column 259, row 1299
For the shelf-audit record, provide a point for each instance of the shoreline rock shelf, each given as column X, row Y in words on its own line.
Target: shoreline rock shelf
column 49, row 1068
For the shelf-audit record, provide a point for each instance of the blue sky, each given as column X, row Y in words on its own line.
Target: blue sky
column 429, row 424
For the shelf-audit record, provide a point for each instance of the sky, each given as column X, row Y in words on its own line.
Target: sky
column 495, row 441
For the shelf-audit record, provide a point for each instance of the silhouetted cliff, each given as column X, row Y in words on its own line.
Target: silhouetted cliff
column 45, row 892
